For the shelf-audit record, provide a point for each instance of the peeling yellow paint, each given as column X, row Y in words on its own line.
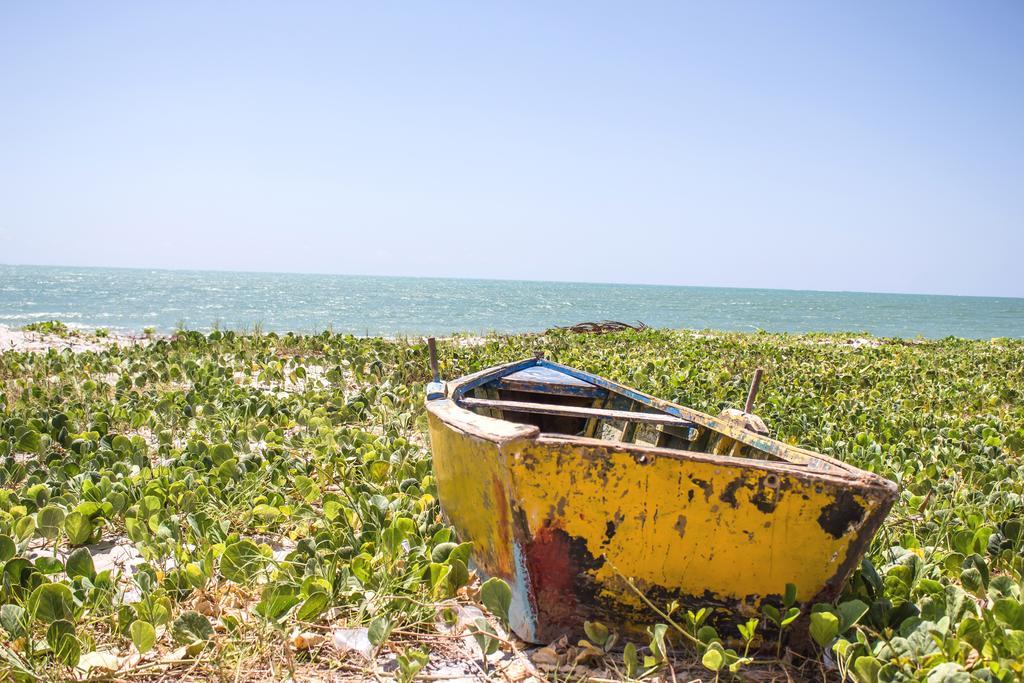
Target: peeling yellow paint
column 733, row 549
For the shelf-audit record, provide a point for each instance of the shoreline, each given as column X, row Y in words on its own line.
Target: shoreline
column 77, row 340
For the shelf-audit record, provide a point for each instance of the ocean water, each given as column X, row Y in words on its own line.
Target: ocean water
column 130, row 300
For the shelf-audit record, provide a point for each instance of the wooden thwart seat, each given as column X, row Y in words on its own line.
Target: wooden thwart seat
column 574, row 411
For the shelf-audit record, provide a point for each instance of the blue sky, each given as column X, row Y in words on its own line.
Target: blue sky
column 826, row 145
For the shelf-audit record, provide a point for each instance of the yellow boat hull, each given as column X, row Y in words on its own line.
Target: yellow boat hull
column 577, row 526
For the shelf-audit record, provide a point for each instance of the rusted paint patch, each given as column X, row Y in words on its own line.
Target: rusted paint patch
column 769, row 492
column 830, row 591
column 680, row 526
column 838, row 516
column 559, row 564
column 551, row 572
column 724, row 609
column 729, row 493
column 705, row 486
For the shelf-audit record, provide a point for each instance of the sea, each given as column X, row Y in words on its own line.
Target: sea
column 132, row 300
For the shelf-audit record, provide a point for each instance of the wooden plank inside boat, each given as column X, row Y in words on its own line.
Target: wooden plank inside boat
column 572, row 411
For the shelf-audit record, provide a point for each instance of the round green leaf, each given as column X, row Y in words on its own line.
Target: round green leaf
column 7, row 548
column 949, row 672
column 24, row 527
column 313, row 607
column 49, row 565
column 191, row 627
column 19, row 572
column 267, row 513
column 48, row 521
column 824, row 627
column 221, row 453
column 378, row 631
column 78, row 528
column 51, row 602
column 497, row 598
column 242, row 561
column 62, row 641
column 14, row 619
column 80, row 564
column 441, row 551
column 30, row 442
column 143, row 635
column 714, row 657
column 306, row 488
column 277, row 599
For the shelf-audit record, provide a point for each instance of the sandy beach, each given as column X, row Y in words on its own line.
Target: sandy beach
column 76, row 341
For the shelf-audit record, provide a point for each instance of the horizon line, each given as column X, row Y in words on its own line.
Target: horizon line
column 482, row 279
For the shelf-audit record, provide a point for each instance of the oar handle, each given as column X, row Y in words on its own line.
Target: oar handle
column 755, row 384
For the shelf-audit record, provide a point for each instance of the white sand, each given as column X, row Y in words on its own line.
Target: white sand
column 12, row 339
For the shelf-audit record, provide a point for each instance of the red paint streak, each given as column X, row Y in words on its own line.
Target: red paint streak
column 551, row 573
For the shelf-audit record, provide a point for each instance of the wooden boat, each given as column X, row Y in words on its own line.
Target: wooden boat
column 569, row 484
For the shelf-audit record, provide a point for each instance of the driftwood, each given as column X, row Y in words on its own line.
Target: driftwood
column 602, row 327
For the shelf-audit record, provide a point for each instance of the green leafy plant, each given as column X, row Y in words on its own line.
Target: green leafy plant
column 600, row 636
column 784, row 617
column 496, row 596
column 191, row 627
column 290, row 475
column 486, row 638
column 54, row 327
column 410, row 662
column 60, row 636
column 143, row 635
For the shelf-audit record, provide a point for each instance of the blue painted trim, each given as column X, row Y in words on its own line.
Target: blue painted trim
column 501, row 372
column 596, row 380
column 615, row 388
column 522, row 616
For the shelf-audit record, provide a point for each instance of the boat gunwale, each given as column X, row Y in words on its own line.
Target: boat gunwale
column 481, row 426
column 466, row 421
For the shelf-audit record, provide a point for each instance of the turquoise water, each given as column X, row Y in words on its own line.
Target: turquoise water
column 133, row 299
